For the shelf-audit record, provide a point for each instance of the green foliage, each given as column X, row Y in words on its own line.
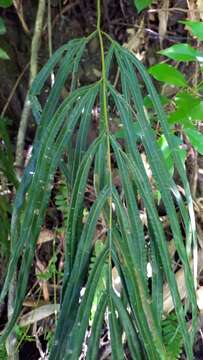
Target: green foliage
column 196, row 28
column 7, row 179
column 5, row 3
column 196, row 139
column 172, row 336
column 22, row 334
column 2, row 27
column 168, row 74
column 101, row 286
column 181, row 52
column 188, row 103
column 48, row 337
column 51, row 270
column 63, row 128
column 5, row 213
column 62, row 199
column 6, row 154
column 3, row 54
column 167, row 153
column 3, row 353
column 141, row 4
column 189, row 110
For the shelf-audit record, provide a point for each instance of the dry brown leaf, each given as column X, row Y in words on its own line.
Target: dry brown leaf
column 45, row 236
column 38, row 314
column 135, row 38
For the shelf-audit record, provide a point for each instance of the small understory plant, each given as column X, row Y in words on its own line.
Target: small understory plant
column 185, row 104
column 134, row 314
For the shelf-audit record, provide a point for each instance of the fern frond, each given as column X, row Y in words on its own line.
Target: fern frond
column 136, row 316
column 172, row 336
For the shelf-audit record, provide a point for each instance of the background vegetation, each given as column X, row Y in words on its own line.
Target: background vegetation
column 96, row 211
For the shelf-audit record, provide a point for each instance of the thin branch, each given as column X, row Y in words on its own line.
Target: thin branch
column 33, row 72
column 13, row 90
column 19, row 9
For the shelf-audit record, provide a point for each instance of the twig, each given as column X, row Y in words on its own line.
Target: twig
column 33, row 72
column 14, row 89
column 63, row 11
column 173, row 10
column 163, row 21
column 50, row 38
column 19, row 10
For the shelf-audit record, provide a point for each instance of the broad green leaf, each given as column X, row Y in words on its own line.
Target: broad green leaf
column 168, row 74
column 196, row 27
column 181, row 52
column 189, row 110
column 196, row 139
column 191, row 105
column 2, row 26
column 3, row 55
column 6, row 3
column 197, row 112
column 186, row 101
column 179, row 117
column 141, row 4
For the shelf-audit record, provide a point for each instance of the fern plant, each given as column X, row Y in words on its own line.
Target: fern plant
column 138, row 312
column 61, row 199
column 172, row 336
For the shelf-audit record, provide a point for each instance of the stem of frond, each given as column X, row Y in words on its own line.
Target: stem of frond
column 107, row 130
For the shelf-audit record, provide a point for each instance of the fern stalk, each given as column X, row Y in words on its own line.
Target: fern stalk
column 107, row 131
